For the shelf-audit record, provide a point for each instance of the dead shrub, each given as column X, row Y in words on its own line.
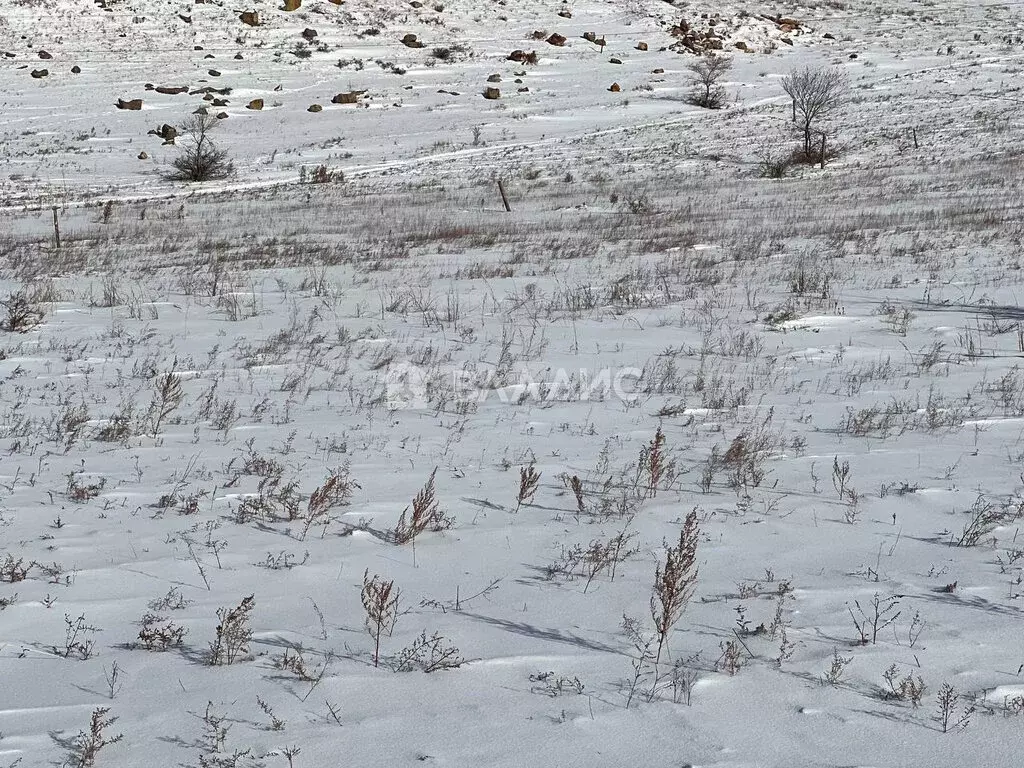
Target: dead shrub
column 427, row 515
column 23, row 314
column 233, row 633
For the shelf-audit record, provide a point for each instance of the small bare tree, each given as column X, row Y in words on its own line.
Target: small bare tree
column 816, row 92
column 705, row 75
column 201, row 159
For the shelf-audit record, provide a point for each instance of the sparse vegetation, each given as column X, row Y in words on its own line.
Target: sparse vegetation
column 193, row 377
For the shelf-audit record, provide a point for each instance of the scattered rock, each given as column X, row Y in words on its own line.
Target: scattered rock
column 556, row 39
column 829, row 36
column 45, row 55
column 222, row 115
column 171, row 90
column 658, row 71
column 220, row 102
column 255, row 104
column 641, row 46
column 209, row 56
column 523, row 57
column 201, row 111
column 214, row 73
column 309, row 34
column 539, row 34
column 132, row 104
column 166, row 132
column 252, row 18
column 238, row 57
column 524, row 89
column 39, row 74
column 291, row 5
column 614, row 88
column 614, row 60
column 143, row 156
column 590, row 36
column 693, row 40
column 351, row 97
column 565, row 13
column 410, row 41
column 853, row 55
column 186, row 19
column 314, row 108
column 416, row 4
column 741, row 46
column 492, row 93
column 495, row 78
column 786, row 40
column 76, row 70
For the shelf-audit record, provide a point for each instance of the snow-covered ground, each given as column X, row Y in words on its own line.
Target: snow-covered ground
column 827, row 365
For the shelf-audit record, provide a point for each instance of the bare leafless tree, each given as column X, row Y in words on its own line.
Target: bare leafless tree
column 201, row 159
column 705, row 74
column 816, row 93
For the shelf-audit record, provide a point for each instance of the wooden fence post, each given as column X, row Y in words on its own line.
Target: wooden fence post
column 504, row 197
column 56, row 228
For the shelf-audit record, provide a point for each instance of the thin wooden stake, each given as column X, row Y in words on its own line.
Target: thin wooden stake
column 56, row 228
column 823, row 150
column 914, row 131
column 504, row 197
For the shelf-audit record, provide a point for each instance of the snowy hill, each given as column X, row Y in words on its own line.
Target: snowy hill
column 675, row 449
column 64, row 130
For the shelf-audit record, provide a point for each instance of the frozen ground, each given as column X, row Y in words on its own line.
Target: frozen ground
column 832, row 359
